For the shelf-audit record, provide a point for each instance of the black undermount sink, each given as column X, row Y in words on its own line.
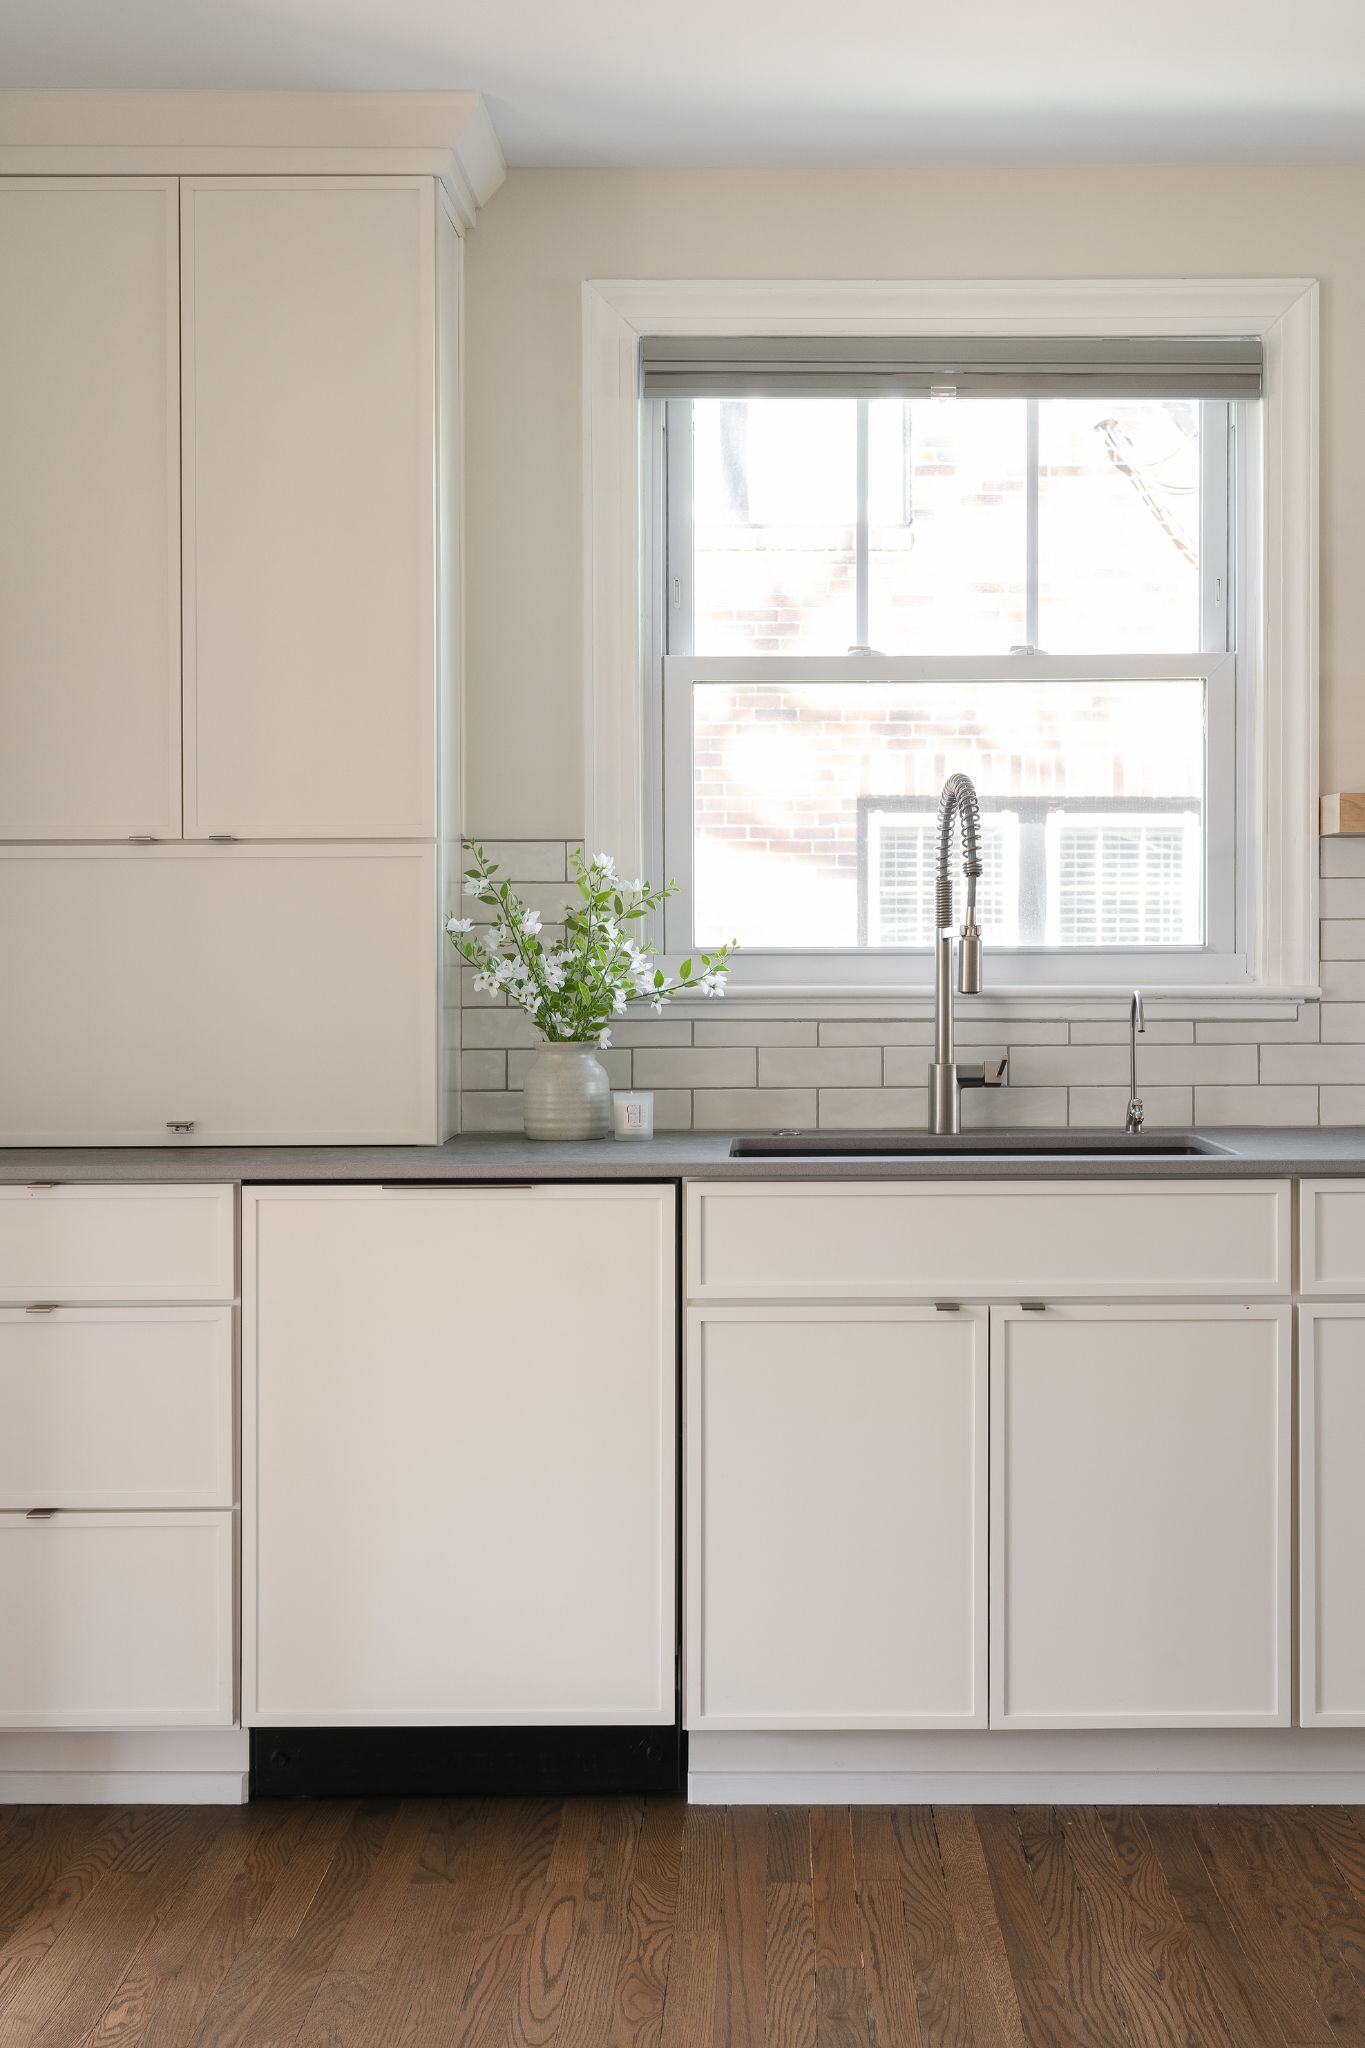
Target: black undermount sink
column 974, row 1145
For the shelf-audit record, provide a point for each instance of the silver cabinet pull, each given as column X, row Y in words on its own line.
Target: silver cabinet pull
column 947, row 1308
column 40, row 1514
column 460, row 1187
column 181, row 1124
column 1034, row 1308
column 222, row 839
column 40, row 1187
column 41, row 1308
column 142, row 839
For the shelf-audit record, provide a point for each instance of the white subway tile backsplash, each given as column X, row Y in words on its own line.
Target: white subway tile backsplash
column 1255, row 1105
column 1343, row 1023
column 825, row 1066
column 1105, row 1109
column 739, row 1032
column 873, row 1109
column 753, row 1109
column 697, row 1067
column 1316, row 1063
column 549, row 898
column 728, row 1071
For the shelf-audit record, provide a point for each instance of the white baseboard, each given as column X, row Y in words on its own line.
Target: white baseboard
column 1026, row 1788
column 129, row 1767
column 123, row 1788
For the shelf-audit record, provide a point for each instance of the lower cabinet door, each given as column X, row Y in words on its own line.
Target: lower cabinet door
column 836, row 1512
column 459, row 1443
column 1140, row 1527
column 116, row 1621
column 1332, row 1514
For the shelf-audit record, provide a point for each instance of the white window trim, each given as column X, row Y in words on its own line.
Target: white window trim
column 1282, row 769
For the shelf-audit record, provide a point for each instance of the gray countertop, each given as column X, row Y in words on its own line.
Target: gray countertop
column 684, row 1157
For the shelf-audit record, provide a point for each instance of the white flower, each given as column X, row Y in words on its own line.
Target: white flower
column 618, row 1007
column 459, row 924
column 473, row 885
column 657, row 1005
column 530, row 922
column 604, row 1039
column 637, row 887
column 605, row 865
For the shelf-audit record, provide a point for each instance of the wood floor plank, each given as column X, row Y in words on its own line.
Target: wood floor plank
column 1156, row 1975
column 1225, row 1963
column 940, row 1986
column 646, row 1945
column 625, row 1923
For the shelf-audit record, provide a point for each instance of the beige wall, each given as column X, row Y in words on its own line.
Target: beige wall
column 546, row 231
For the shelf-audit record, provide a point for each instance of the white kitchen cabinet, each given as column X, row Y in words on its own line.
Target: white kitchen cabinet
column 116, row 1621
column 309, row 330
column 458, row 1455
column 836, row 1515
column 898, row 1240
column 116, row 1407
column 1140, row 1516
column 275, row 994
column 1332, row 1237
column 89, row 508
column 1331, row 1514
column 103, row 1241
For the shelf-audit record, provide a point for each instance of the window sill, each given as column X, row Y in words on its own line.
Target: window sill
column 1078, row 1002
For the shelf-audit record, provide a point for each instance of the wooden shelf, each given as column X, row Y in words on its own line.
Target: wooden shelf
column 1344, row 813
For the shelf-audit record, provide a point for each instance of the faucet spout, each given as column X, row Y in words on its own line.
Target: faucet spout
column 948, row 1076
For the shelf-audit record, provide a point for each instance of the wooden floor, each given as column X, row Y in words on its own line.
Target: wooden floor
column 617, row 1922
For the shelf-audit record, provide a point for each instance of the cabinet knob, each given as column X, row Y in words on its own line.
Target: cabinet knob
column 182, row 1124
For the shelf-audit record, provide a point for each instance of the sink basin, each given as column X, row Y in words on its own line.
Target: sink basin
column 1067, row 1144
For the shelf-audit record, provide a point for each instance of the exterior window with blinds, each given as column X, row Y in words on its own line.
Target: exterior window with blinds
column 886, row 561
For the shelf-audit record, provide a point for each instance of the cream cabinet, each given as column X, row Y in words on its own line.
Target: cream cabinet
column 285, row 994
column 89, row 508
column 118, row 1469
column 1140, row 1516
column 459, row 1445
column 836, row 1518
column 309, row 335
column 1332, row 1514
column 1139, row 1441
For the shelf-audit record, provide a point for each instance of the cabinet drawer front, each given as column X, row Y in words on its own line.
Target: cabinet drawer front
column 116, row 1408
column 1332, row 1237
column 102, row 1243
column 884, row 1240
column 116, row 1621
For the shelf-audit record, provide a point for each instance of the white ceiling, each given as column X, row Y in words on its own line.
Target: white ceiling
column 770, row 81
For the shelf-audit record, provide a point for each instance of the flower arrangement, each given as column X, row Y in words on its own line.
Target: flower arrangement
column 571, row 991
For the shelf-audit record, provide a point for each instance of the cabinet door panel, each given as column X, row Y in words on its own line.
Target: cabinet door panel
column 458, row 1456
column 89, row 509
column 309, row 482
column 1140, row 1517
column 279, row 995
column 116, row 1621
column 837, row 1518
column 1332, row 1514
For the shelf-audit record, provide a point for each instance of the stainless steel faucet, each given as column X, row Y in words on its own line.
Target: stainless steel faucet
column 948, row 1076
column 1137, row 1021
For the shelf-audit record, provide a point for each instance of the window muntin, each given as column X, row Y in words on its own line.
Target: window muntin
column 1108, row 525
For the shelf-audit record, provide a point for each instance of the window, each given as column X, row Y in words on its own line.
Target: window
column 861, row 594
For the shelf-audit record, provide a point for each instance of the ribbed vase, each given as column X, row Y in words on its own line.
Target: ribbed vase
column 566, row 1094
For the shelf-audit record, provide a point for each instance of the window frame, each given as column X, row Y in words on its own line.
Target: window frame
column 1277, row 536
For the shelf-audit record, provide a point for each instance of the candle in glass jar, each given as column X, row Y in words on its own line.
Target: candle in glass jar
column 632, row 1114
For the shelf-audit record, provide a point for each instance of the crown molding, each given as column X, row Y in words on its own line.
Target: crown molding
column 443, row 135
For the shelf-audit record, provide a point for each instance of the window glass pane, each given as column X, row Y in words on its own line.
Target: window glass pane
column 947, row 545
column 1118, row 525
column 815, row 806
column 775, row 511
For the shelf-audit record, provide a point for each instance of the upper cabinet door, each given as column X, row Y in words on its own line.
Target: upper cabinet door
column 89, row 509
column 309, row 448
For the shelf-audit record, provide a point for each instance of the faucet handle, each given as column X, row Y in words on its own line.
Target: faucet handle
column 993, row 1072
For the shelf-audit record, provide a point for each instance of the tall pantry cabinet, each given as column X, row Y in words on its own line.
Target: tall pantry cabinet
column 229, row 621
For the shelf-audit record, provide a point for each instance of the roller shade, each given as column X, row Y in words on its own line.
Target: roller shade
column 975, row 366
